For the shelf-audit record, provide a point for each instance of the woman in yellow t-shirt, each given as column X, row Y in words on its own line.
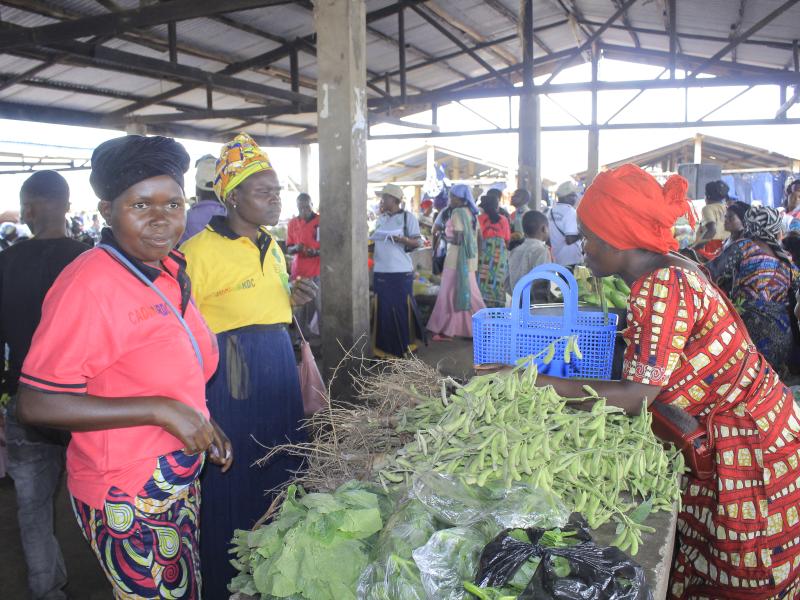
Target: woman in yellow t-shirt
column 241, row 287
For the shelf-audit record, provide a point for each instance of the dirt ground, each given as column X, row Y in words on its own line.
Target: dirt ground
column 86, row 580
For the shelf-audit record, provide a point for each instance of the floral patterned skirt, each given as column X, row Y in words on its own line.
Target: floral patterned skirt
column 147, row 544
column 493, row 272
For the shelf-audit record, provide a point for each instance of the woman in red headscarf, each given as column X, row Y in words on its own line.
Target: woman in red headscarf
column 688, row 348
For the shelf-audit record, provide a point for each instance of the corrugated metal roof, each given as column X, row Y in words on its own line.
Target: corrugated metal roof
column 727, row 154
column 412, row 166
column 212, row 43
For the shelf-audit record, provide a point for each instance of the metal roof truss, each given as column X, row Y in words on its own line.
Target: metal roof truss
column 209, row 68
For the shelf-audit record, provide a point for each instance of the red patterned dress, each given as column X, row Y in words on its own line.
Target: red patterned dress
column 739, row 530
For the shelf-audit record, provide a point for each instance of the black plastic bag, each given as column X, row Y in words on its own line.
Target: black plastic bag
column 595, row 573
column 501, row 559
column 505, row 554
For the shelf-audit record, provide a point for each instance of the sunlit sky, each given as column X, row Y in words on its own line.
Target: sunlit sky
column 563, row 153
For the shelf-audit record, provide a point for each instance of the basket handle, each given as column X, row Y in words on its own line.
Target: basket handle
column 520, row 306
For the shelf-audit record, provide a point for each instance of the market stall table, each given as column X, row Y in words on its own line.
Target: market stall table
column 655, row 552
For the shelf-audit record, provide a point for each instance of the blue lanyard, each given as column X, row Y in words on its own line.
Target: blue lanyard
column 121, row 258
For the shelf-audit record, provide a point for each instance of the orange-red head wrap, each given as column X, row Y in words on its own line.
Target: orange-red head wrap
column 627, row 208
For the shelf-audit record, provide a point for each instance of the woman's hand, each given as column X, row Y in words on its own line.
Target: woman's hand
column 221, row 452
column 190, row 426
column 303, row 292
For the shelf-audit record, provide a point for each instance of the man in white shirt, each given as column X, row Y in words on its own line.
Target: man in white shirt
column 564, row 235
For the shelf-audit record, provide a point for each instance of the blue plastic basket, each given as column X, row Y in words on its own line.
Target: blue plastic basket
column 505, row 335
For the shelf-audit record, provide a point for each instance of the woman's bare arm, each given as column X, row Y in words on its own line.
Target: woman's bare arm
column 627, row 395
column 94, row 413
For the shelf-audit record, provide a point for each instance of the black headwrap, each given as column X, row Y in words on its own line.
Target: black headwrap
column 125, row 161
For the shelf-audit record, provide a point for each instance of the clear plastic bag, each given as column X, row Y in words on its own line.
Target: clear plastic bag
column 393, row 574
column 392, row 578
column 448, row 559
column 519, row 507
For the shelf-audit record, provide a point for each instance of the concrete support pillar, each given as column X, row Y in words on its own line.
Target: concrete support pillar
column 594, row 130
column 530, row 140
column 342, row 113
column 698, row 149
column 305, row 155
column 530, row 132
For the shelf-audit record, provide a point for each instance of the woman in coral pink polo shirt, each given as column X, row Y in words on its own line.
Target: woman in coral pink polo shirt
column 121, row 359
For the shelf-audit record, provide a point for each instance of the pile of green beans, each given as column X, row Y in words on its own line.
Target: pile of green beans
column 501, row 427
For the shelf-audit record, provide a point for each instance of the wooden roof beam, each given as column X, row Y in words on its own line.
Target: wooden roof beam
column 65, row 116
column 628, row 25
column 458, row 42
column 508, row 58
column 7, row 80
column 576, row 20
column 696, row 36
column 592, row 38
column 377, row 33
column 511, row 16
column 747, row 74
column 460, row 52
column 263, row 60
column 151, row 40
column 737, row 26
column 119, row 60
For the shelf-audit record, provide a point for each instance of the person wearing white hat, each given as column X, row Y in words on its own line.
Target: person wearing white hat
column 564, row 235
column 397, row 325
column 207, row 204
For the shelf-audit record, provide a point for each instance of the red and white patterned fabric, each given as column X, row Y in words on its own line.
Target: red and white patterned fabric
column 739, row 531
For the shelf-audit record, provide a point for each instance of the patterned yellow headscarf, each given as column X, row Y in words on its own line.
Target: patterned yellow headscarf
column 238, row 159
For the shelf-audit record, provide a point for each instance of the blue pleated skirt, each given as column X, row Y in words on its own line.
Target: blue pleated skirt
column 396, row 323
column 255, row 398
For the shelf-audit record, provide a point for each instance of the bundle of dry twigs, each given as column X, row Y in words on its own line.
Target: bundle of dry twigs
column 349, row 440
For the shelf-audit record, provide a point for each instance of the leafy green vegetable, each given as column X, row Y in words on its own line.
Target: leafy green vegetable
column 448, row 560
column 393, row 574
column 524, row 574
column 640, row 514
column 408, row 529
column 561, row 566
column 555, row 538
column 395, row 578
column 314, row 550
column 520, row 535
column 489, row 593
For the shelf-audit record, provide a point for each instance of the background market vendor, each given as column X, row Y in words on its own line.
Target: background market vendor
column 688, row 348
column 241, row 287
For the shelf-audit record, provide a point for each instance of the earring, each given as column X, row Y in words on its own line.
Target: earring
column 233, row 205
